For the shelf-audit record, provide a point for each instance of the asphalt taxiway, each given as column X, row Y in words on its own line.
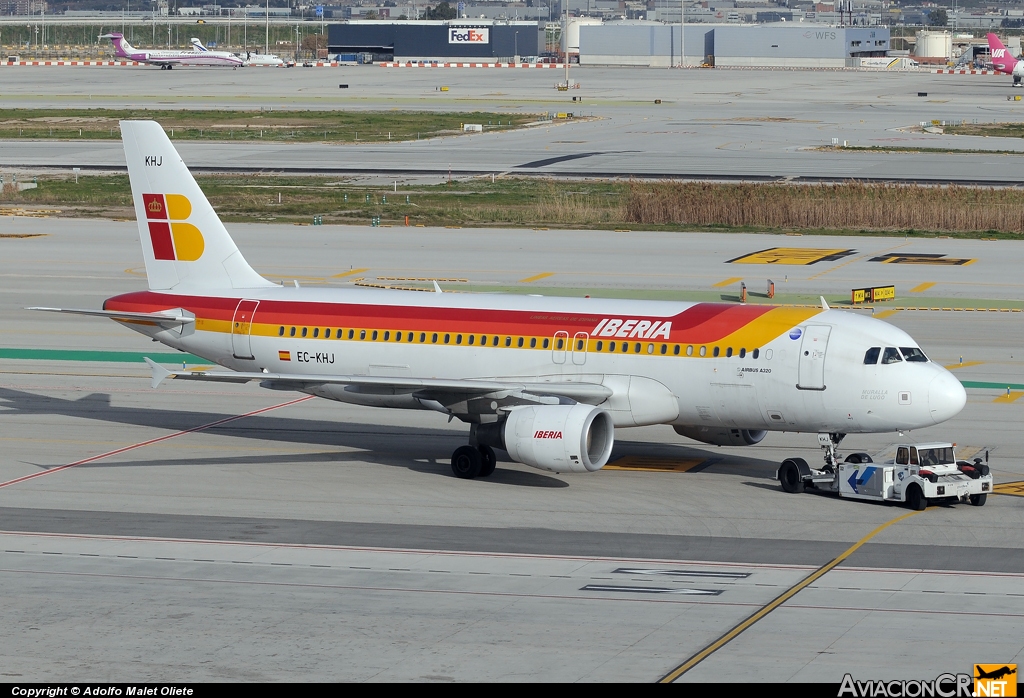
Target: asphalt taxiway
column 203, row 532
column 719, row 124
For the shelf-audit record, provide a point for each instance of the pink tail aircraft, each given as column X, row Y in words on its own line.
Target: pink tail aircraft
column 1004, row 61
column 168, row 59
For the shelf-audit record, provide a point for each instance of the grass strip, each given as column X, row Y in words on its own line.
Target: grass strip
column 827, row 209
column 122, row 357
column 298, row 126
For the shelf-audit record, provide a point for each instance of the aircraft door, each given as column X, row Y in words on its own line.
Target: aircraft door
column 241, row 326
column 579, row 348
column 812, row 357
column 559, row 347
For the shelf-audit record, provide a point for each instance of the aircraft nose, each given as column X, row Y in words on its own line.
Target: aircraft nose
column 946, row 397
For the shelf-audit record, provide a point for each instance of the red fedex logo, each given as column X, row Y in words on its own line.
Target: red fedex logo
column 548, row 435
column 641, row 329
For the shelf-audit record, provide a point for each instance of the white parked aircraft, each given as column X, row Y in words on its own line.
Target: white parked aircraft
column 167, row 59
column 547, row 379
column 263, row 59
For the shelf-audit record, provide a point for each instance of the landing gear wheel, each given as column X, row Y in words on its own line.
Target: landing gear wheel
column 466, row 462
column 790, row 478
column 916, row 499
column 979, row 500
column 489, row 460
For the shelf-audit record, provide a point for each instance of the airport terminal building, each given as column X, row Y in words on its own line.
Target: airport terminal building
column 624, row 43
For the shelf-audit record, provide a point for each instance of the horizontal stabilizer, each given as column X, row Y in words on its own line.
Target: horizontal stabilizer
column 174, row 318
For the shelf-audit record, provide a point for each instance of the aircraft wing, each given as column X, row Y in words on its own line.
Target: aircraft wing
column 443, row 391
column 169, row 318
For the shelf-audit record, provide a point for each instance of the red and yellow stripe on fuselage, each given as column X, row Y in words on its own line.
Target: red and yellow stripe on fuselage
column 700, row 325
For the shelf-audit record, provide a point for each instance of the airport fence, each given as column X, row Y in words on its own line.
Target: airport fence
column 853, row 205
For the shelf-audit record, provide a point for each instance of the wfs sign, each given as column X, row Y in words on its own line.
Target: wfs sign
column 465, row 35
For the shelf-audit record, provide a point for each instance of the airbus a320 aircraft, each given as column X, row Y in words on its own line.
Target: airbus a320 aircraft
column 547, row 379
column 1004, row 61
column 167, row 59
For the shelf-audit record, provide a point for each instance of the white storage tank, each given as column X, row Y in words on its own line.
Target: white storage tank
column 934, row 45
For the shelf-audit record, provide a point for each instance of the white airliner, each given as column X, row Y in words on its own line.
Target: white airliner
column 167, row 59
column 546, row 379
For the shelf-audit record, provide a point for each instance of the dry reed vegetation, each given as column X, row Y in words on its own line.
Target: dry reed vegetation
column 849, row 206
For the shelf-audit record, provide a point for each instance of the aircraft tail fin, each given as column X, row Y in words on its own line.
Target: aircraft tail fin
column 122, row 49
column 1002, row 59
column 197, row 45
column 184, row 243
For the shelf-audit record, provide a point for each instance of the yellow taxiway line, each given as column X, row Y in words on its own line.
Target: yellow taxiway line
column 778, row 601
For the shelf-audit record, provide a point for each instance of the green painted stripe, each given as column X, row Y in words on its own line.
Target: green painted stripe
column 993, row 386
column 124, row 357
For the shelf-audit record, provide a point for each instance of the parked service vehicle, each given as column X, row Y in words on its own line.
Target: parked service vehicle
column 919, row 474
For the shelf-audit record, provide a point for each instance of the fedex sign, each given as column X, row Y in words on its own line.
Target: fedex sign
column 465, row 35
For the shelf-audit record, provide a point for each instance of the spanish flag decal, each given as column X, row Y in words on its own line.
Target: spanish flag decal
column 173, row 238
column 284, row 355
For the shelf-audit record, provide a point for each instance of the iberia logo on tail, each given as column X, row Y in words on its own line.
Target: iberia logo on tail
column 173, row 239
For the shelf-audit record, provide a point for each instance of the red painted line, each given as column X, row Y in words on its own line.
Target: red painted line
column 201, row 427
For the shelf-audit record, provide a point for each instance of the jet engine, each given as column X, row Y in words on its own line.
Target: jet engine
column 722, row 436
column 559, row 438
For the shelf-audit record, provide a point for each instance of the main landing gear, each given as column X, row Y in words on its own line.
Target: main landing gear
column 473, row 461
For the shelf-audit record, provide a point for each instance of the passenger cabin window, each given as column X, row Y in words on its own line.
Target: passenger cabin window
column 871, row 356
column 891, row 356
column 913, row 354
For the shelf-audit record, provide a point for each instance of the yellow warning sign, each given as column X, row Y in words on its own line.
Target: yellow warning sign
column 649, row 464
column 1013, row 488
column 792, row 255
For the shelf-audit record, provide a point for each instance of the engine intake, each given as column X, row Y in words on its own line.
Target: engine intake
column 558, row 438
column 721, row 436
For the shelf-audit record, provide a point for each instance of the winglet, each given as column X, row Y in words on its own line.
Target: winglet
column 159, row 372
column 437, row 289
column 824, row 305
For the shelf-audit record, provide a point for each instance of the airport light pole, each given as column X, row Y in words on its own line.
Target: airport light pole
column 266, row 47
column 682, row 33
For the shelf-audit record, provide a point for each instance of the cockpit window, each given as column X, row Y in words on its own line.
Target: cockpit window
column 891, row 356
column 913, row 354
column 871, row 355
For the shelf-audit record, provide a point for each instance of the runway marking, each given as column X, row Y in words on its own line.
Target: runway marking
column 650, row 464
column 201, row 427
column 727, row 282
column 88, row 355
column 921, row 258
column 1009, row 397
column 351, row 272
column 1015, row 489
column 987, row 385
column 792, row 255
column 965, row 364
column 885, row 313
column 921, row 288
column 682, row 573
column 651, row 590
column 775, row 603
column 538, row 277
